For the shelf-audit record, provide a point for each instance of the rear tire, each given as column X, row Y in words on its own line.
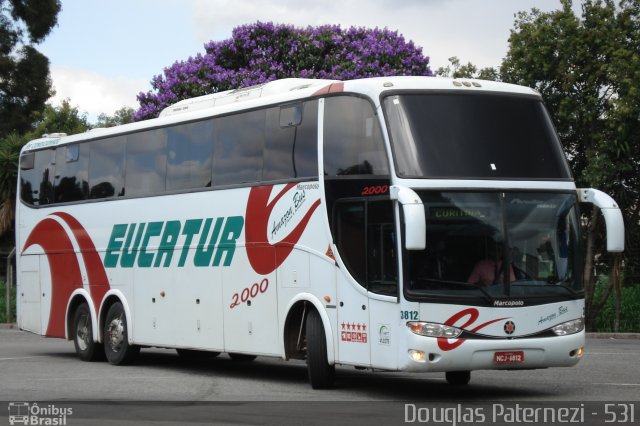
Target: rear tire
column 116, row 339
column 458, row 378
column 86, row 348
column 321, row 373
column 242, row 357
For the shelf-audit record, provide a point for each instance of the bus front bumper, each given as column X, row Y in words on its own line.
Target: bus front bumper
column 426, row 355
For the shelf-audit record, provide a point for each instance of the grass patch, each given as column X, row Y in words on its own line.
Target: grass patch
column 629, row 312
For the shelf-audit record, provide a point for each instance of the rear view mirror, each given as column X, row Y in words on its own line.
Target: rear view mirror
column 612, row 216
column 415, row 225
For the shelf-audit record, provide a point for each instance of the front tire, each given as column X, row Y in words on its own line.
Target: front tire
column 86, row 348
column 116, row 339
column 321, row 373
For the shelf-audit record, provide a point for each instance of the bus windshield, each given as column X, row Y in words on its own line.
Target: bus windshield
column 473, row 136
column 484, row 246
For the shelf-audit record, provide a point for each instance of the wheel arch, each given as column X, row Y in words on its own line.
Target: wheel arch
column 111, row 297
column 77, row 298
column 296, row 308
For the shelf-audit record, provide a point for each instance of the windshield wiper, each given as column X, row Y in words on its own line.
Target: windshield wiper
column 561, row 284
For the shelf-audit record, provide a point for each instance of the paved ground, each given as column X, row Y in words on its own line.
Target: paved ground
column 33, row 368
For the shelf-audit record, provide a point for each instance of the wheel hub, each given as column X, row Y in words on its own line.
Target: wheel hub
column 116, row 334
column 82, row 333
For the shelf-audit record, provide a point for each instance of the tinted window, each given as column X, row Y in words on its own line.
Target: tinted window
column 473, row 136
column 349, row 234
column 190, row 155
column 365, row 238
column 276, row 143
column 291, row 149
column 487, row 245
column 72, row 177
column 353, row 144
column 238, row 148
column 106, row 168
column 36, row 184
column 146, row 170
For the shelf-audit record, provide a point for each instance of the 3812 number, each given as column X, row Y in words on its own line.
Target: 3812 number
column 409, row 315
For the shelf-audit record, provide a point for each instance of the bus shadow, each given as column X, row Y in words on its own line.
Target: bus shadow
column 376, row 385
column 385, row 386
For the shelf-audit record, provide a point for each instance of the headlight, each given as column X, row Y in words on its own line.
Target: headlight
column 569, row 327
column 432, row 329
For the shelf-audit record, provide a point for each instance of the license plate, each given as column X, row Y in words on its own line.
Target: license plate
column 511, row 357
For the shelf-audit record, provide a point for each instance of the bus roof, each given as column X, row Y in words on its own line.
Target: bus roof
column 279, row 91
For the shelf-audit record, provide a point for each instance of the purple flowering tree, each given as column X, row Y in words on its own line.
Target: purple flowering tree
column 262, row 52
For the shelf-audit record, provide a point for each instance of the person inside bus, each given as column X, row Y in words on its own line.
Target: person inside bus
column 490, row 271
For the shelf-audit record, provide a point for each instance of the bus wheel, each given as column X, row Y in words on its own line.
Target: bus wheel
column 191, row 354
column 321, row 373
column 458, row 378
column 86, row 348
column 241, row 357
column 116, row 343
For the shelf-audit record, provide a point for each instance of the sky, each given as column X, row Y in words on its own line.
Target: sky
column 103, row 53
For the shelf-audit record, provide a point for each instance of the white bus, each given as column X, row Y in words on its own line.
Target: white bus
column 361, row 223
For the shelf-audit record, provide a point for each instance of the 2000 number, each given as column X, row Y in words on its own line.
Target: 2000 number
column 375, row 190
column 249, row 293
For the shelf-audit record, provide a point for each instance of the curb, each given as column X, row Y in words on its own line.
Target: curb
column 624, row 336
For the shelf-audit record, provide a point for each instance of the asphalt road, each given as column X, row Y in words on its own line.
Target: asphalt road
column 34, row 368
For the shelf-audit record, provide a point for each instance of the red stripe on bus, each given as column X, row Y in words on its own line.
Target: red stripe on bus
column 331, row 88
column 64, row 267
column 257, row 223
column 98, row 280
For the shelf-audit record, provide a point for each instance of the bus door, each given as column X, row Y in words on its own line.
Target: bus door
column 364, row 232
column 353, row 303
column 29, row 294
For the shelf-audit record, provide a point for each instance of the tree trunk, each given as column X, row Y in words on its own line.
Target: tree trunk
column 588, row 276
column 617, row 291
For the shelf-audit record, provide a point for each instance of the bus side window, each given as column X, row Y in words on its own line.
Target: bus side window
column 106, row 168
column 349, row 234
column 27, row 174
column 36, row 182
column 238, row 149
column 190, row 155
column 365, row 238
column 72, row 180
column 382, row 262
column 291, row 136
column 353, row 143
column 146, row 167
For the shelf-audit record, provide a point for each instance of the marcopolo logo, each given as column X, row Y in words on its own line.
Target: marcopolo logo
column 25, row 413
column 212, row 242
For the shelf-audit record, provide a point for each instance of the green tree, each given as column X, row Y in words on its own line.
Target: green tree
column 122, row 116
column 9, row 152
column 588, row 71
column 455, row 70
column 24, row 72
column 64, row 119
